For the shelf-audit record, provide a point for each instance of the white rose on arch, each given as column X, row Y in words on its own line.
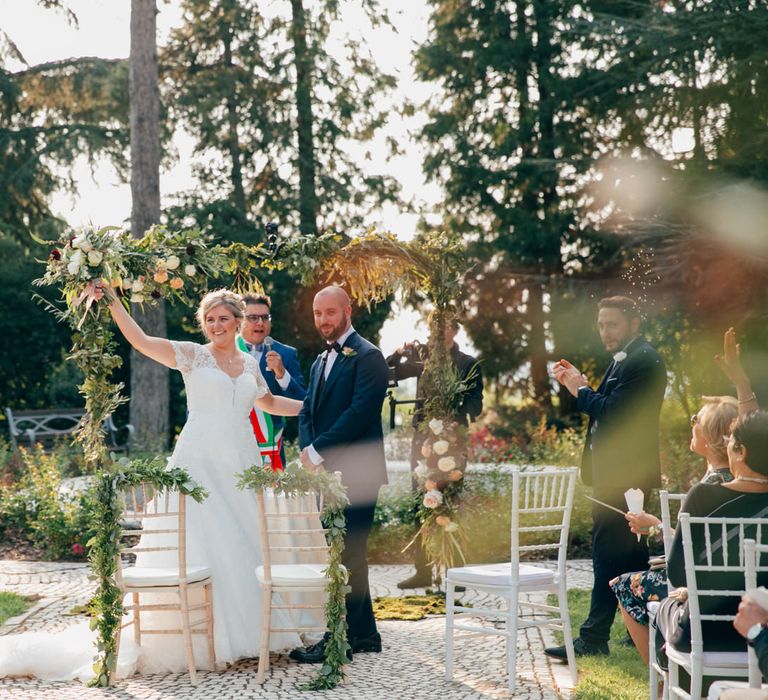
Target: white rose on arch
column 446, row 464
column 422, row 470
column 172, row 262
column 441, row 447
column 73, row 266
column 190, row 270
column 436, row 426
column 432, row 499
column 82, row 243
column 94, row 257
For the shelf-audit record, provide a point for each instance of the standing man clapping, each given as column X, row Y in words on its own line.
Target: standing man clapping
column 621, row 452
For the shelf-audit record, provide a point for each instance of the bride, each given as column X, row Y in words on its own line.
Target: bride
column 222, row 384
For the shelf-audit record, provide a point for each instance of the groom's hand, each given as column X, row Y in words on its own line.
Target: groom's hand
column 306, row 462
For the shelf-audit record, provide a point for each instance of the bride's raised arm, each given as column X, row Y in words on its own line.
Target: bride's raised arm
column 158, row 349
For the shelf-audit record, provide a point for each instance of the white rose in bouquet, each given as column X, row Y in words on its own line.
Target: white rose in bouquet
column 172, row 262
column 432, row 499
column 94, row 257
column 190, row 270
column 137, row 298
column 73, row 266
column 137, row 286
column 436, row 426
column 446, row 464
column 441, row 447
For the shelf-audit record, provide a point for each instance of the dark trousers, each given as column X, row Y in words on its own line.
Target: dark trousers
column 615, row 550
column 360, row 620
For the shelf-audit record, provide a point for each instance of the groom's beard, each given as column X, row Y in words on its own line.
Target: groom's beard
column 333, row 333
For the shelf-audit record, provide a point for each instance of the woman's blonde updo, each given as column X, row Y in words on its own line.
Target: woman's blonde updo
column 219, row 297
column 715, row 418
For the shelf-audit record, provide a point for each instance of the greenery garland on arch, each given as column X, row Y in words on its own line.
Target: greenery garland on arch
column 294, row 480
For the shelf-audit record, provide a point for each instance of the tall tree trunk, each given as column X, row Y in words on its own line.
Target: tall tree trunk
column 233, row 140
column 307, row 194
column 537, row 346
column 149, row 380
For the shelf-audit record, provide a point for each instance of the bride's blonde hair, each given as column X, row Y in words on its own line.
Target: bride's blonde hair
column 219, row 297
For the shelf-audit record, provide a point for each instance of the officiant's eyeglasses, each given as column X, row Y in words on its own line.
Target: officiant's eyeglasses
column 694, row 418
column 258, row 317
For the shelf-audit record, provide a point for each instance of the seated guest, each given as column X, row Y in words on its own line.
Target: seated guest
column 636, row 589
column 744, row 497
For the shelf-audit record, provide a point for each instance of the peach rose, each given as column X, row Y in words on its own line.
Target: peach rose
column 177, row 283
column 160, row 276
column 426, row 450
column 430, row 485
column 455, row 475
column 432, row 499
column 442, row 520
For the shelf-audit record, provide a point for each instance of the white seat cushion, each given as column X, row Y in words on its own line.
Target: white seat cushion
column 722, row 659
column 500, row 575
column 719, row 687
column 146, row 577
column 295, row 574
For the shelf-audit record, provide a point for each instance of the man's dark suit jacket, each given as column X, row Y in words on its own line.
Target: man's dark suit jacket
column 622, row 446
column 343, row 422
column 472, row 400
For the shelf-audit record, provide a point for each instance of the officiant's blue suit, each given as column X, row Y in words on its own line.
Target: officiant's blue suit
column 342, row 421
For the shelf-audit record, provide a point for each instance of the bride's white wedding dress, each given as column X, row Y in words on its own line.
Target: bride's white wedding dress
column 216, row 443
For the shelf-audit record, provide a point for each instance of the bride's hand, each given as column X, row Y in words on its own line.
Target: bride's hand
column 98, row 290
column 730, row 360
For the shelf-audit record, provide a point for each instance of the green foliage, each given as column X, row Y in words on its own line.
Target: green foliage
column 104, row 546
column 294, row 480
column 34, row 507
column 11, row 605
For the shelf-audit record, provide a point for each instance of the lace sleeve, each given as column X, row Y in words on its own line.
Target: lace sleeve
column 185, row 353
column 252, row 367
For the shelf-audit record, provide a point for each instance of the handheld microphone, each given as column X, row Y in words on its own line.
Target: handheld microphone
column 267, row 342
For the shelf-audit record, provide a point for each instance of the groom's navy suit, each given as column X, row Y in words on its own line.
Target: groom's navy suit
column 342, row 421
column 621, row 452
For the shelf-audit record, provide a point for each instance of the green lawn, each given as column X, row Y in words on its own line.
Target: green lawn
column 11, row 605
column 620, row 676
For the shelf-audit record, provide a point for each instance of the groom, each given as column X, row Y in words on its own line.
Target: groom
column 340, row 430
column 621, row 452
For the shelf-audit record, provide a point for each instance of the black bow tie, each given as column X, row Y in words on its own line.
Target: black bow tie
column 333, row 346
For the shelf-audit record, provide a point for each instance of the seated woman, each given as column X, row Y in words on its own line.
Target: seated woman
column 636, row 589
column 744, row 497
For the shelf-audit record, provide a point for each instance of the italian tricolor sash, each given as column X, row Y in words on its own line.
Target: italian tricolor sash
column 269, row 441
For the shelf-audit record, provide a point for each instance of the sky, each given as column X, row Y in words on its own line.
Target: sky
column 103, row 31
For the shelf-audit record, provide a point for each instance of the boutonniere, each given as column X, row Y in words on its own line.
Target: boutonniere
column 348, row 352
column 619, row 356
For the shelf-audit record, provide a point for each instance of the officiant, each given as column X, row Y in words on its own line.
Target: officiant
column 621, row 452
column 279, row 365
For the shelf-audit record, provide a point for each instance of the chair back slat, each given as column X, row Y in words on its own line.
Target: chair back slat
column 542, row 500
column 725, row 553
column 290, row 529
column 152, row 521
column 756, row 556
column 667, row 527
